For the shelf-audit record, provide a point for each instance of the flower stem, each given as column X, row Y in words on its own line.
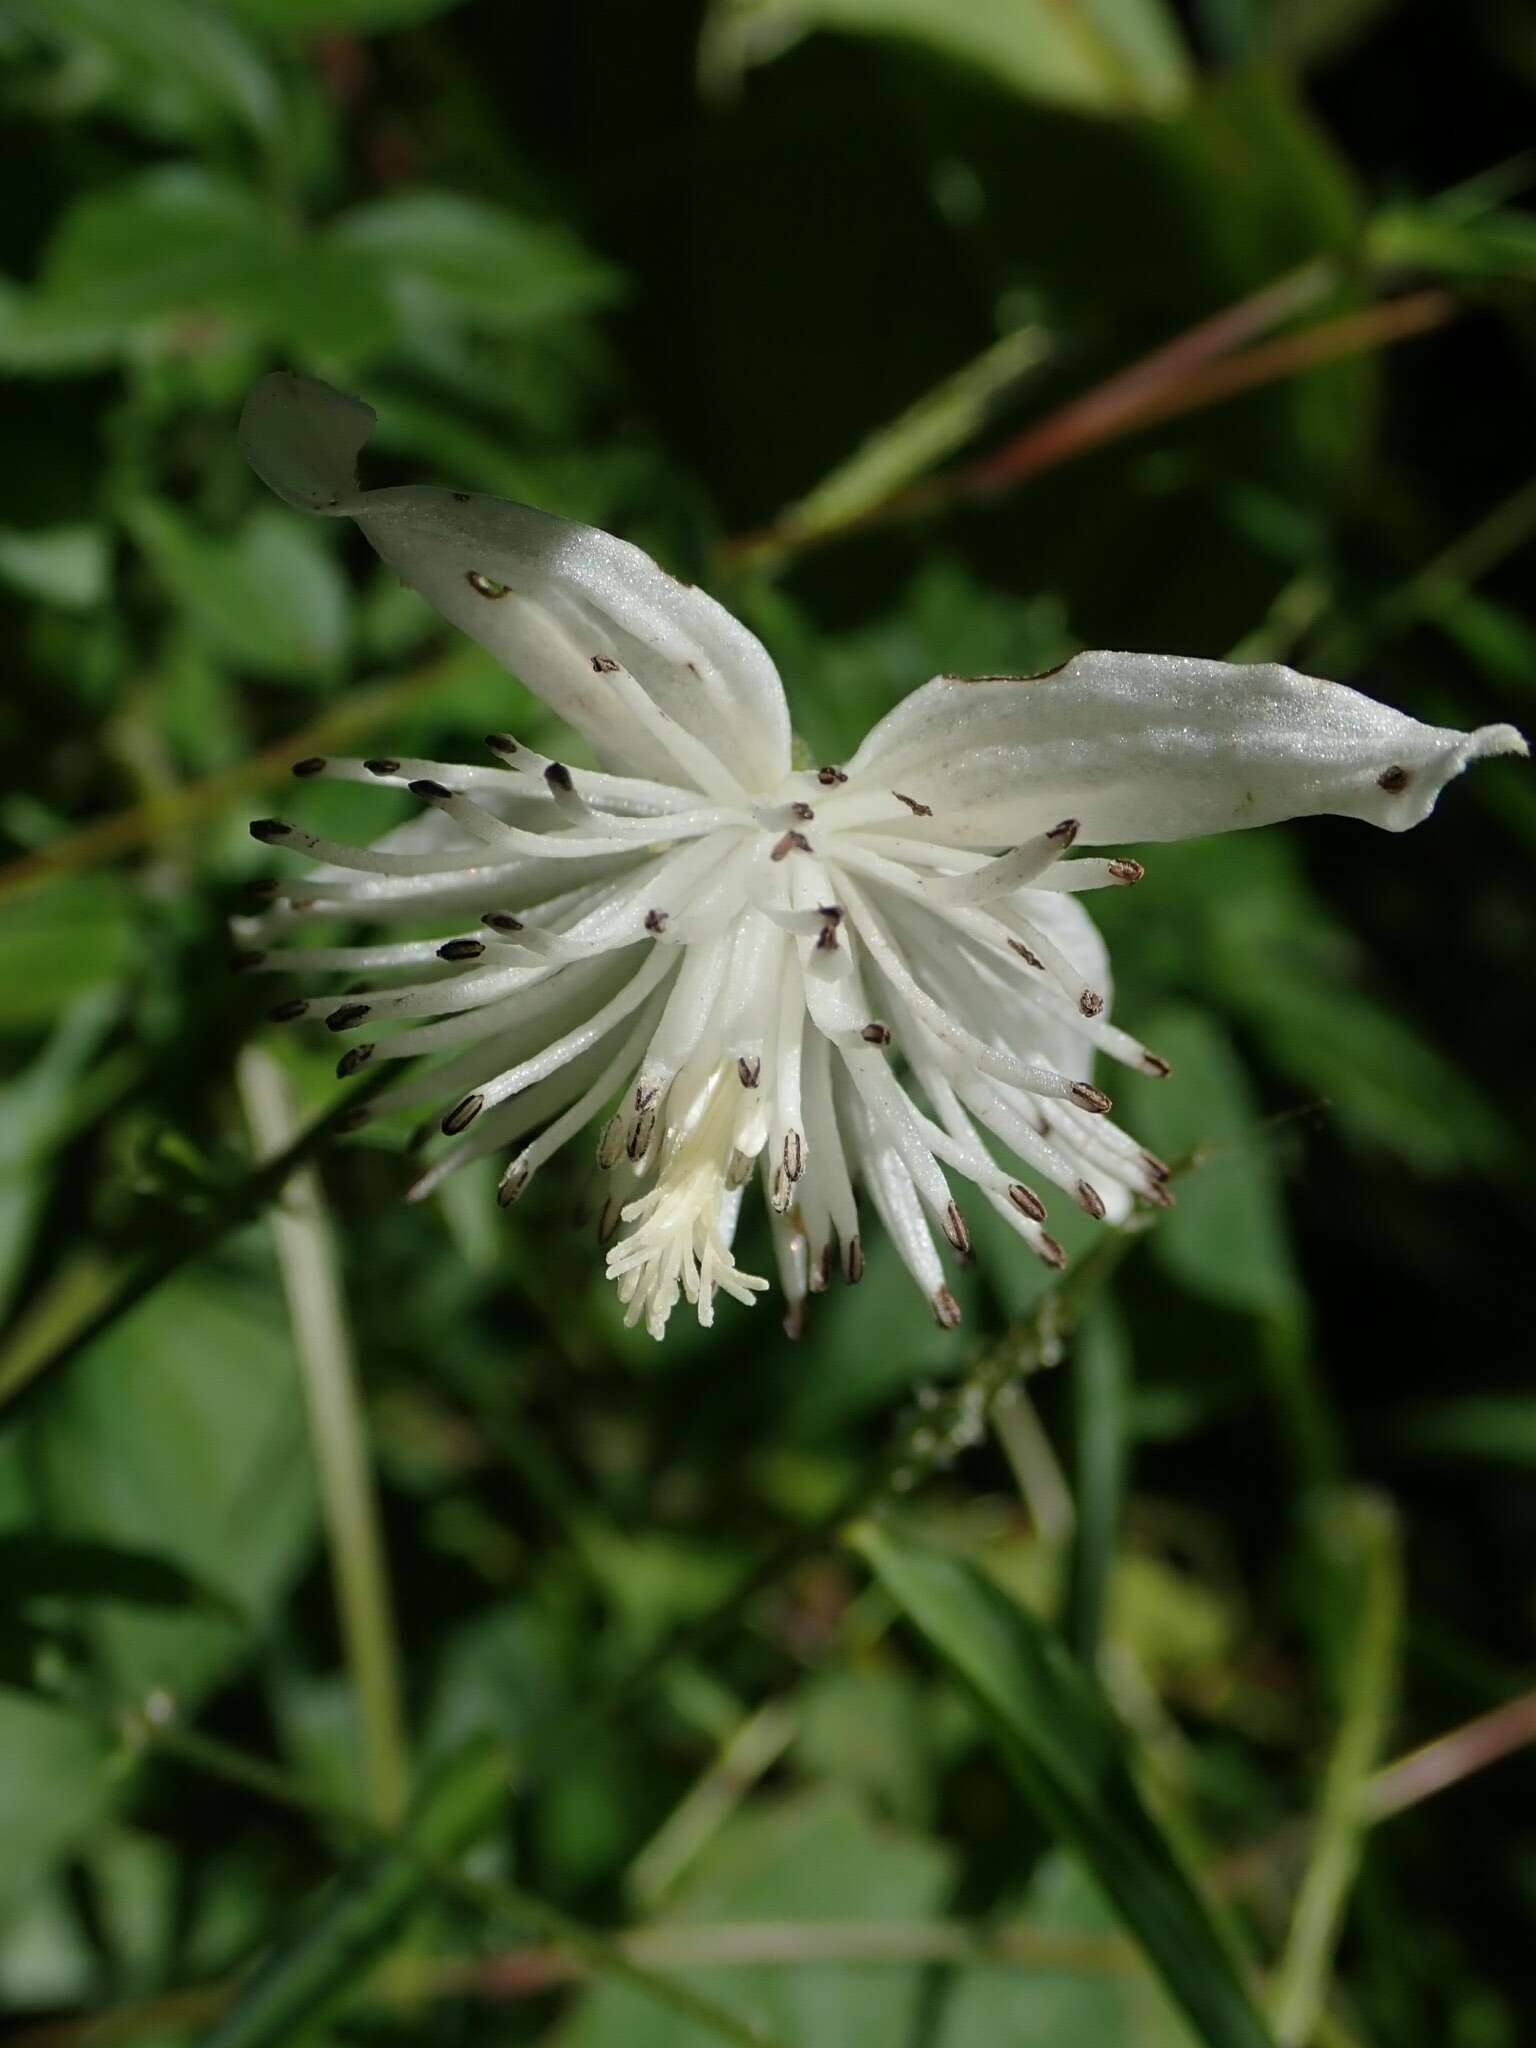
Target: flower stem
column 306, row 1255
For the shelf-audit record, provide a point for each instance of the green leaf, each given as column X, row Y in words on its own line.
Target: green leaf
column 1101, row 1372
column 67, row 566
column 1101, row 56
column 1058, row 1736
column 315, row 17
column 57, row 1784
column 1227, row 1239
column 1061, row 2008
column 442, row 256
column 34, row 1109
column 813, row 1857
column 173, row 256
column 182, row 64
column 181, row 1434
column 271, row 599
column 57, row 943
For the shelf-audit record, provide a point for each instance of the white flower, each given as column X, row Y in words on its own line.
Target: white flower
column 877, row 974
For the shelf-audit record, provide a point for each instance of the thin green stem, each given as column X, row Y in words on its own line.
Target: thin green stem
column 306, row 1257
column 1361, row 1547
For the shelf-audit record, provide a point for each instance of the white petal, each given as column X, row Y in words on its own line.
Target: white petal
column 1156, row 746
column 545, row 595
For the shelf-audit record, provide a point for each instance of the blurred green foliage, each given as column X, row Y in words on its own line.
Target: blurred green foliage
column 726, row 279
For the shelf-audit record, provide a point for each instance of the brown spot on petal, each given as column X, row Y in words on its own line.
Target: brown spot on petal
column 1091, row 1003
column 603, row 665
column 918, row 810
column 946, row 1310
column 462, row 1115
column 792, row 842
column 1393, row 780
column 483, row 585
column 830, row 777
column 876, row 1033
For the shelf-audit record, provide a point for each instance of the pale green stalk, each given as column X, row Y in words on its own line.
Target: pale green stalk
column 306, row 1256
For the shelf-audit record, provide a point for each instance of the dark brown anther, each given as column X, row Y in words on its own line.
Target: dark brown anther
column 269, row 830
column 1029, row 959
column 794, row 1155
column 462, row 1115
column 313, row 765
column 644, row 1097
column 1127, row 871
column 348, row 1017
column 829, row 778
column 352, row 1061
column 750, row 1070
column 956, row 1232
column 918, row 810
column 1086, row 1096
column 501, row 921
column 803, row 812
column 1158, row 1168
column 640, row 1137
column 1153, row 1063
column 826, row 939
column 460, row 497
column 1393, row 780
column 382, row 766
column 1088, row 1197
column 1064, row 833
column 461, row 949
column 245, row 963
column 1026, row 1201
column 792, row 842
column 1052, row 1253
column 1091, row 1003
column 289, row 1012
column 603, row 666
column 484, row 586
column 558, row 776
column 832, row 912
column 262, row 892
column 946, row 1310
column 501, row 743
column 876, row 1033
column 352, row 1119
column 655, row 922
column 434, row 792
column 512, row 1183
column 853, row 1260
column 1159, row 1196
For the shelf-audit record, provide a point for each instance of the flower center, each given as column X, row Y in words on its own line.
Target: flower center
column 679, row 1239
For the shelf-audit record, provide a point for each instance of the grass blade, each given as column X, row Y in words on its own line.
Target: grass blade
column 1059, row 1738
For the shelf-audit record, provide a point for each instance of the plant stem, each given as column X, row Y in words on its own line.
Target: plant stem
column 306, row 1256
column 1360, row 1535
